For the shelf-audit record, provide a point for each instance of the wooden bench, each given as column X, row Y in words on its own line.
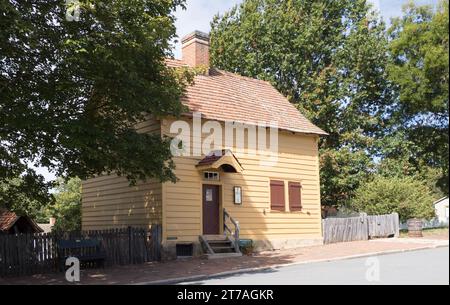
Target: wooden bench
column 86, row 250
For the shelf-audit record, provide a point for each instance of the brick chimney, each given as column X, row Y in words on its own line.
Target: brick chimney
column 195, row 48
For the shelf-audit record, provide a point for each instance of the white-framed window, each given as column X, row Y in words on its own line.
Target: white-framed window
column 211, row 176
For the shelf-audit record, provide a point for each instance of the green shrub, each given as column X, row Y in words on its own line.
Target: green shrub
column 408, row 196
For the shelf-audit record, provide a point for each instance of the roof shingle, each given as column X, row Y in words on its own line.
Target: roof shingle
column 7, row 219
column 226, row 96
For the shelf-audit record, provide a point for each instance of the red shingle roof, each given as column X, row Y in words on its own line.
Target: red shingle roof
column 7, row 219
column 174, row 63
column 210, row 159
column 226, row 96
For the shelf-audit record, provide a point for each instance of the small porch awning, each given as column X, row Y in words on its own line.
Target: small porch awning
column 223, row 160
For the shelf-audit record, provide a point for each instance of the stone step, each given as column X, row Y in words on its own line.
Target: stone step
column 222, row 255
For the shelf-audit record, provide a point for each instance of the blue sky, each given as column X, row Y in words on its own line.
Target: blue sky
column 199, row 14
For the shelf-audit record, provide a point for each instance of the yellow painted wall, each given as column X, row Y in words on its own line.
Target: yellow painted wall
column 298, row 161
column 110, row 202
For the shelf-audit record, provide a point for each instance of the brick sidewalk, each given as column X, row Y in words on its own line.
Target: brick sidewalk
column 185, row 268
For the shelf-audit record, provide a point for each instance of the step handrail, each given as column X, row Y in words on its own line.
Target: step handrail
column 226, row 228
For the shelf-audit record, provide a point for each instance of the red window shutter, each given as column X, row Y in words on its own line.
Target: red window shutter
column 277, row 195
column 295, row 196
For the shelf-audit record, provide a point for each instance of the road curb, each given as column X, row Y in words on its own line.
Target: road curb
column 202, row 277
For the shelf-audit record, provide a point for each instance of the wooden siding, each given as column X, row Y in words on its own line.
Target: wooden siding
column 110, row 202
column 298, row 161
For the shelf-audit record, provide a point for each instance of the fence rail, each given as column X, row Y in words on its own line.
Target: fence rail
column 364, row 227
column 27, row 254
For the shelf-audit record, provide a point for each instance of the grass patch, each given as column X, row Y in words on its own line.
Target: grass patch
column 427, row 232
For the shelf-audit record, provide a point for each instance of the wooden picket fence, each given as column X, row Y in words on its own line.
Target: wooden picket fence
column 27, row 254
column 336, row 230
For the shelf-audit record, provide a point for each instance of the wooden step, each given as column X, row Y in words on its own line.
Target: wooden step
column 223, row 249
column 215, row 238
column 220, row 243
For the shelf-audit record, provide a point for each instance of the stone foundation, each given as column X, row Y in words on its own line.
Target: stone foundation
column 282, row 244
column 168, row 251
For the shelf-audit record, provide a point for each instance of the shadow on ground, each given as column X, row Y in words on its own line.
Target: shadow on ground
column 156, row 271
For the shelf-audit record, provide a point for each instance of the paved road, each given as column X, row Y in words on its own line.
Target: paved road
column 427, row 267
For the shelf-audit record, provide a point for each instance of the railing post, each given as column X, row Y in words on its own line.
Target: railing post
column 224, row 222
column 236, row 232
column 236, row 236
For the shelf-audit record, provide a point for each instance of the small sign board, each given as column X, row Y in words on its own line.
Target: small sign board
column 237, row 195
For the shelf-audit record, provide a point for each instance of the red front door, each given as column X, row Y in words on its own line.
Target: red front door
column 211, row 210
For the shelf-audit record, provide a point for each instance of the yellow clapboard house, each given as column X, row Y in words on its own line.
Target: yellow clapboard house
column 249, row 165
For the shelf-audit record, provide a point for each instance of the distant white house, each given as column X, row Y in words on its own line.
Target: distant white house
column 441, row 208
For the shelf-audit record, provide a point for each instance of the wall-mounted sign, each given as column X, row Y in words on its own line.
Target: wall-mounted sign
column 237, row 195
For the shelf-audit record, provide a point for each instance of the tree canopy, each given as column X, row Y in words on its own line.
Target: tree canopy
column 329, row 58
column 72, row 90
column 67, row 207
column 419, row 68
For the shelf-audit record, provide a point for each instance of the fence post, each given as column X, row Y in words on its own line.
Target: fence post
column 324, row 231
column 130, row 260
column 396, row 217
column 156, row 234
column 365, row 235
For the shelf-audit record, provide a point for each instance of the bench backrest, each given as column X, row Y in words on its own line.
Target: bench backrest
column 78, row 244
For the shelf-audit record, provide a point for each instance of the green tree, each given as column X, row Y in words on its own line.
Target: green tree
column 419, row 68
column 67, row 207
column 407, row 196
column 329, row 58
column 71, row 91
column 399, row 161
column 26, row 195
